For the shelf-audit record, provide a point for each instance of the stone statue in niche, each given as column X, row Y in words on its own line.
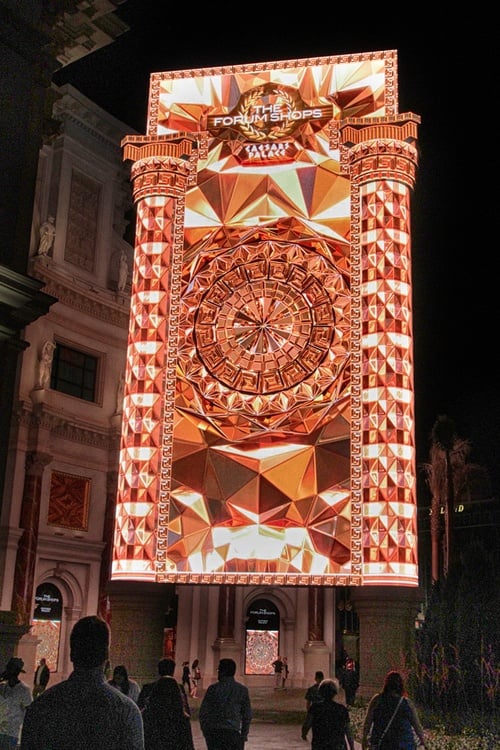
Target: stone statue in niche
column 47, row 236
column 120, row 388
column 45, row 364
column 122, row 271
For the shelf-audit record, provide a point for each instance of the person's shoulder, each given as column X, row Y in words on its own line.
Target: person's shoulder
column 117, row 698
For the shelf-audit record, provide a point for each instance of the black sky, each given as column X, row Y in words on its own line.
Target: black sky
column 447, row 76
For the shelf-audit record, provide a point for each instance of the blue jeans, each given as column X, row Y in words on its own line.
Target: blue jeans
column 7, row 742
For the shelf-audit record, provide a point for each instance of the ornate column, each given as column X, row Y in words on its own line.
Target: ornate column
column 316, row 652
column 162, row 170
column 380, row 157
column 22, row 592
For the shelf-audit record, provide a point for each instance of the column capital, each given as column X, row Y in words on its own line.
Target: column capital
column 36, row 463
column 165, row 165
column 380, row 147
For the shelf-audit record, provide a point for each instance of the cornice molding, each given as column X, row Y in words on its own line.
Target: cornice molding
column 40, row 416
column 102, row 304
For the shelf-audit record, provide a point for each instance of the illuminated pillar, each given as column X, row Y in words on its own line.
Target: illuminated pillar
column 380, row 157
column 162, row 170
column 22, row 593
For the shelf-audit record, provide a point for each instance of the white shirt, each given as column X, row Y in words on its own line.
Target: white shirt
column 13, row 703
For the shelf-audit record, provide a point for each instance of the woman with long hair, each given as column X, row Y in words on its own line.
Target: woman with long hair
column 391, row 721
column 195, row 677
column 122, row 682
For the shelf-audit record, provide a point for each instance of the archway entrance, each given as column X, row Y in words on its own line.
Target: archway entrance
column 47, row 623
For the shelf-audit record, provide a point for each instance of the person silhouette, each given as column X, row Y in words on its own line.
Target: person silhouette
column 15, row 697
column 83, row 711
column 225, row 710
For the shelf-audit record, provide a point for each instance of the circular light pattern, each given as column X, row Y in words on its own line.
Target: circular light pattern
column 260, row 651
column 265, row 328
column 261, row 335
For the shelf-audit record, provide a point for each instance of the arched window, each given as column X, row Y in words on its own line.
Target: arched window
column 262, row 633
column 47, row 623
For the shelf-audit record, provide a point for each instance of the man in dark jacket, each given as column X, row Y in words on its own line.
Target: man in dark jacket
column 225, row 711
column 41, row 679
column 349, row 679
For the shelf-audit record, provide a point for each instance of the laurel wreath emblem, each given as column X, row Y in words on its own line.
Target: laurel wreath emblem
column 288, row 99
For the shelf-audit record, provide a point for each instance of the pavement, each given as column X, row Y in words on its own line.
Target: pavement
column 278, row 716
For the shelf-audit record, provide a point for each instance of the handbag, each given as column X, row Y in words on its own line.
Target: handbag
column 378, row 745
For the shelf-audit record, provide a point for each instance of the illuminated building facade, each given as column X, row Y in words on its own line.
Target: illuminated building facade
column 268, row 429
column 266, row 496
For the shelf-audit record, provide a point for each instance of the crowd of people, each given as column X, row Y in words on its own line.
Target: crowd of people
column 89, row 710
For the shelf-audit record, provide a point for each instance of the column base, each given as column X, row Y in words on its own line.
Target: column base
column 317, row 656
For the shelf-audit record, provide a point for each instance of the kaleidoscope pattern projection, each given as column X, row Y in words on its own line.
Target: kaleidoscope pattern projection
column 282, row 451
column 261, row 649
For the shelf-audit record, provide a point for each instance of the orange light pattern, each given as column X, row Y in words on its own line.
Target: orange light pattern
column 268, row 416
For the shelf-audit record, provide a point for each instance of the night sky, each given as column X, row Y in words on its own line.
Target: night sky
column 447, row 76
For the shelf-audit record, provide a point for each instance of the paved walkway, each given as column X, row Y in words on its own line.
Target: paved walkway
column 263, row 735
column 269, row 734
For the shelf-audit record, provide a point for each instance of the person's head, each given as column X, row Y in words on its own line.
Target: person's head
column 120, row 675
column 89, row 642
column 195, row 663
column 227, row 668
column 319, row 676
column 185, row 664
column 393, row 683
column 43, row 661
column 166, row 667
column 327, row 689
column 13, row 668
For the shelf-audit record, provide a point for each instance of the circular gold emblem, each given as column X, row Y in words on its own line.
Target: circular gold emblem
column 269, row 112
column 260, row 329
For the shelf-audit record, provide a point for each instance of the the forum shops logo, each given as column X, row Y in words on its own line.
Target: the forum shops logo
column 267, row 114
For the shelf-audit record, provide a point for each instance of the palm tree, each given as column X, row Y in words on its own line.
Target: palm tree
column 449, row 477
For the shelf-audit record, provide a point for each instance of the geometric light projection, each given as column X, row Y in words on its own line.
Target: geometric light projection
column 268, row 426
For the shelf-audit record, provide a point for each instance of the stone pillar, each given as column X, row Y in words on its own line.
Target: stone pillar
column 22, row 593
column 225, row 621
column 225, row 646
column 104, row 608
column 137, row 626
column 387, row 631
column 10, row 635
column 316, row 652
